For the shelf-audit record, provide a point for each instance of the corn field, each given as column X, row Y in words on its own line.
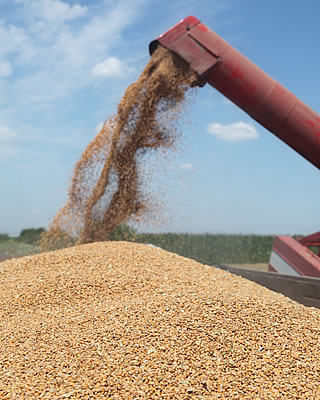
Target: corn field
column 213, row 248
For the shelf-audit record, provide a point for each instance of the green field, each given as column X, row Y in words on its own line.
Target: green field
column 13, row 248
column 214, row 248
column 205, row 248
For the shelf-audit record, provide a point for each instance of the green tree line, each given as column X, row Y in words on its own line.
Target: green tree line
column 29, row 236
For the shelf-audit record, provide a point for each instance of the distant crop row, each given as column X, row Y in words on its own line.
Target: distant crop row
column 214, row 248
column 205, row 248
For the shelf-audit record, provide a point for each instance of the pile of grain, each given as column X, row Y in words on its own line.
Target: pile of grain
column 107, row 187
column 127, row 321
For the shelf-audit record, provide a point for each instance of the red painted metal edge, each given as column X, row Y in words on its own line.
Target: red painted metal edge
column 310, row 240
column 299, row 257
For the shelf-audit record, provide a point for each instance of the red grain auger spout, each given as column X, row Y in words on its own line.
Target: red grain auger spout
column 240, row 80
column 215, row 61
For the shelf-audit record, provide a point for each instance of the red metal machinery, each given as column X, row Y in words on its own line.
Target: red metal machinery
column 264, row 99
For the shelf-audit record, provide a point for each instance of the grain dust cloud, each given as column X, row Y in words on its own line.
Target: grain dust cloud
column 107, row 187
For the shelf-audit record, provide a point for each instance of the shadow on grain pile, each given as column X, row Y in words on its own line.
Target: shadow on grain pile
column 107, row 185
column 118, row 320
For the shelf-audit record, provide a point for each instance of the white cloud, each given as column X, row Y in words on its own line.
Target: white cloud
column 187, row 166
column 5, row 69
column 12, row 39
column 6, row 134
column 57, row 56
column 53, row 10
column 111, row 67
column 235, row 132
column 7, row 148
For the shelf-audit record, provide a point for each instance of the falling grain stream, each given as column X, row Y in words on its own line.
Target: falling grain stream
column 107, row 186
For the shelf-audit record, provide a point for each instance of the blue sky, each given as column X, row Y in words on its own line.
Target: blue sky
column 64, row 66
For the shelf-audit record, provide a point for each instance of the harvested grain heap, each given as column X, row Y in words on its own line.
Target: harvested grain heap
column 107, row 186
column 121, row 320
